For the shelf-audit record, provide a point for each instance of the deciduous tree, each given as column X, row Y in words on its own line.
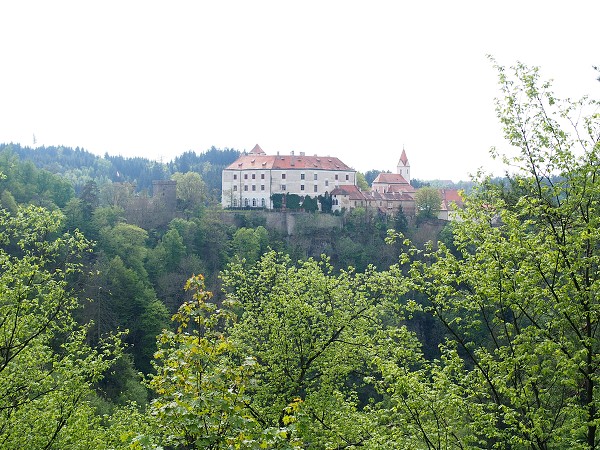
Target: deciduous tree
column 520, row 300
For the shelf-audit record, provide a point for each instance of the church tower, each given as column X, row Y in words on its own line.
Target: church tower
column 403, row 167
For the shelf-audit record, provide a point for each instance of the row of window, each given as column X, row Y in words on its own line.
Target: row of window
column 262, row 187
column 283, row 187
column 247, row 202
column 283, row 176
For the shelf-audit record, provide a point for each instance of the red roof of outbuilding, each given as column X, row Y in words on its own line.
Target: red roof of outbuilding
column 450, row 196
column 353, row 192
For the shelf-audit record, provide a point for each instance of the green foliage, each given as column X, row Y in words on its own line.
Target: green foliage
column 201, row 382
column 277, row 201
column 310, row 204
column 46, row 367
column 191, row 190
column 292, row 201
column 361, row 182
column 249, row 244
column 427, row 202
column 28, row 184
column 314, row 336
column 326, row 202
column 520, row 299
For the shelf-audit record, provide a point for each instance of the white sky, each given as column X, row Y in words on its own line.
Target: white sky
column 356, row 80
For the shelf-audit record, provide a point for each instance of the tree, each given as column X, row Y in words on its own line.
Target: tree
column 361, row 182
column 310, row 204
column 313, row 336
column 201, row 381
column 46, row 368
column 427, row 202
column 249, row 244
column 520, row 300
column 191, row 190
column 326, row 202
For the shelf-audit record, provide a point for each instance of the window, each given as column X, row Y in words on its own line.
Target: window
column 253, row 176
column 283, row 187
column 283, row 176
column 315, row 188
column 253, row 202
column 245, row 187
column 347, row 177
column 253, row 187
column 235, row 176
column 262, row 176
column 235, row 187
column 245, row 176
column 235, row 202
column 302, row 176
column 262, row 202
column 336, row 177
column 262, row 187
column 245, row 202
column 326, row 182
column 301, row 187
column 315, row 176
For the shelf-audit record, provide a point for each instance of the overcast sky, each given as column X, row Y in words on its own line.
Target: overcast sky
column 356, row 80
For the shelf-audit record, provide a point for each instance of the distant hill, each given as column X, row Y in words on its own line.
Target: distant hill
column 80, row 166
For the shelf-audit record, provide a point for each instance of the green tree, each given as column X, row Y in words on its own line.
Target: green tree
column 520, row 301
column 427, row 202
column 201, row 382
column 361, row 182
column 123, row 300
column 7, row 202
column 46, row 368
column 310, row 204
column 191, row 190
column 314, row 337
column 249, row 244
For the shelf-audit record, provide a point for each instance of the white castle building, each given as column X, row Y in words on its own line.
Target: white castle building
column 252, row 179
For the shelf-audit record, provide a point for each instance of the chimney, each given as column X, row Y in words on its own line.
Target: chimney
column 302, row 153
column 292, row 153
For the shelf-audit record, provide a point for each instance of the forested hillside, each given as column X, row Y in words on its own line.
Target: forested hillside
column 80, row 166
column 201, row 330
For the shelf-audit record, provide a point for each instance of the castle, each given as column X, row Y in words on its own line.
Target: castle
column 254, row 177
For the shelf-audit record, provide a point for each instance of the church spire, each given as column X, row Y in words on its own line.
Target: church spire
column 403, row 167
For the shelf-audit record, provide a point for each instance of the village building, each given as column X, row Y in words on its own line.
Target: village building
column 452, row 201
column 390, row 192
column 252, row 179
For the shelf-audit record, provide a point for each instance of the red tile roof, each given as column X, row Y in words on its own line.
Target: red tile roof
column 353, row 192
column 390, row 178
column 257, row 150
column 257, row 160
column 400, row 188
column 390, row 196
column 450, row 196
column 403, row 158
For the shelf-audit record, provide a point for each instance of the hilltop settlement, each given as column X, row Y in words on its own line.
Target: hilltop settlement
column 258, row 180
